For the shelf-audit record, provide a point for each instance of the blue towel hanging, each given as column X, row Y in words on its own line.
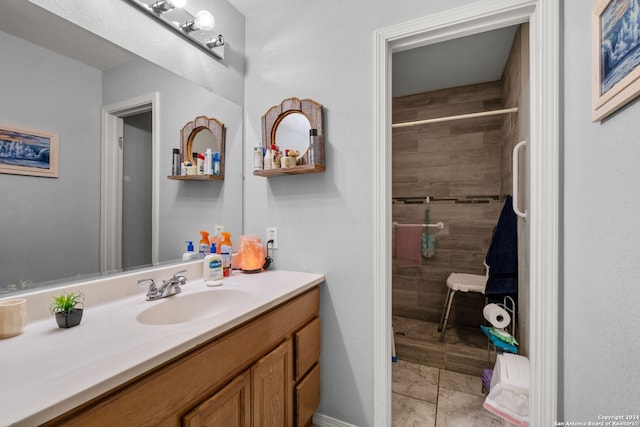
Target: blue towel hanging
column 502, row 257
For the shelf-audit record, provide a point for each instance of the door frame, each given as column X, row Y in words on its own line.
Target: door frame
column 111, row 178
column 543, row 177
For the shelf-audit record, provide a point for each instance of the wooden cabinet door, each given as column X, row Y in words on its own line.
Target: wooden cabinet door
column 272, row 385
column 230, row 407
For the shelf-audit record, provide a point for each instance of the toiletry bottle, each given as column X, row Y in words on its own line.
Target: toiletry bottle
column 316, row 148
column 190, row 254
column 212, row 267
column 200, row 164
column 208, row 162
column 225, row 251
column 183, row 167
column 275, row 159
column 175, row 165
column 216, row 163
column 267, row 159
column 216, row 240
column 204, row 244
column 258, row 158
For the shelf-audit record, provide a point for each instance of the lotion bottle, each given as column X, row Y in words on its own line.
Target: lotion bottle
column 212, row 268
column 266, row 164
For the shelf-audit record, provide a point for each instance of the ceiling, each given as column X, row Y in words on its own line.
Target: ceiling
column 254, row 7
column 36, row 25
column 473, row 59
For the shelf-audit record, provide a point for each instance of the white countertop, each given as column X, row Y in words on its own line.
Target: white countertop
column 47, row 371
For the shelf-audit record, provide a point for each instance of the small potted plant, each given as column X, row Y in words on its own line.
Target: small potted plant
column 65, row 308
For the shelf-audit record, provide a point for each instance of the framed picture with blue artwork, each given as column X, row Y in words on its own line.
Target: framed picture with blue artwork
column 28, row 151
column 615, row 28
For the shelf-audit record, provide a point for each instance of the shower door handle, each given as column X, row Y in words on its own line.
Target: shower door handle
column 514, row 179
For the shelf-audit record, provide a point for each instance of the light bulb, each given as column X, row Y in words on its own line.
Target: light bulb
column 204, row 21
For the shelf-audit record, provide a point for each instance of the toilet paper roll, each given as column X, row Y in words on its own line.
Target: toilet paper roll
column 496, row 315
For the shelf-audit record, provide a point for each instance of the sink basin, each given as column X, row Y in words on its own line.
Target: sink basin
column 184, row 308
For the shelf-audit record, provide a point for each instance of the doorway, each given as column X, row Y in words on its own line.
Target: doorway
column 457, row 116
column 542, row 175
column 115, row 220
column 137, row 171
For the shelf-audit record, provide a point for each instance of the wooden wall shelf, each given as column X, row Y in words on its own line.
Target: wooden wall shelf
column 196, row 177
column 270, row 121
column 296, row 170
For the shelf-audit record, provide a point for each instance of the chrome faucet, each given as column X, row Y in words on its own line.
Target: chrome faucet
column 168, row 288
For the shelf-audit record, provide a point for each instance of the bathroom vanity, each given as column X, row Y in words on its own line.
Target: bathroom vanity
column 252, row 360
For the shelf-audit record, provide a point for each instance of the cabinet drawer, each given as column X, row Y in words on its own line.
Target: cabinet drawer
column 307, row 347
column 308, row 396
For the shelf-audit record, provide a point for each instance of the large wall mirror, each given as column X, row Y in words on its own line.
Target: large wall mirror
column 50, row 231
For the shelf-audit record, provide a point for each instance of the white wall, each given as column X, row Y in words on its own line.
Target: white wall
column 185, row 207
column 45, row 91
column 601, row 301
column 324, row 51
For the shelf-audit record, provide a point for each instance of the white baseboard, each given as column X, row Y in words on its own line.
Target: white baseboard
column 326, row 421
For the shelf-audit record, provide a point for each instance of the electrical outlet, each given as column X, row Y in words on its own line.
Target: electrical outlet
column 218, row 229
column 272, row 234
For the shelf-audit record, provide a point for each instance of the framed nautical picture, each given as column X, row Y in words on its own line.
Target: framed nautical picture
column 28, row 151
column 615, row 30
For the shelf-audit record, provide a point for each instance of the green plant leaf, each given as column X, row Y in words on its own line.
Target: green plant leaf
column 65, row 303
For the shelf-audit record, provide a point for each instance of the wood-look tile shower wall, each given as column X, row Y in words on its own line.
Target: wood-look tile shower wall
column 462, row 164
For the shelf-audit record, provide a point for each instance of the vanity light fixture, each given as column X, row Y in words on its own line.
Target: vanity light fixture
column 162, row 6
column 198, row 28
column 203, row 22
column 215, row 42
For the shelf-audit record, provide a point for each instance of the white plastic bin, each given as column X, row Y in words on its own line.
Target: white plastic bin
column 508, row 396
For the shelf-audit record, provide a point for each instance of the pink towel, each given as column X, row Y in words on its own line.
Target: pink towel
column 408, row 245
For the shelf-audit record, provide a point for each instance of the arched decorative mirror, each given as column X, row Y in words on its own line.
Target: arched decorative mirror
column 287, row 125
column 199, row 135
column 292, row 133
column 202, row 140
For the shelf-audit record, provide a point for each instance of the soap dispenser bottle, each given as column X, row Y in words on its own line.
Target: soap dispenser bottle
column 190, row 253
column 212, row 268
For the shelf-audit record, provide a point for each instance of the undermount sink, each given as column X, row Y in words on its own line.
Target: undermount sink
column 184, row 308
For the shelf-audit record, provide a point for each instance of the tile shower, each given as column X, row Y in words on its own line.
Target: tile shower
column 464, row 166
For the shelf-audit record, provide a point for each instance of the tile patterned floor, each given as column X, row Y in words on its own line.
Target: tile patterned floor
column 424, row 396
column 464, row 350
column 438, row 384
